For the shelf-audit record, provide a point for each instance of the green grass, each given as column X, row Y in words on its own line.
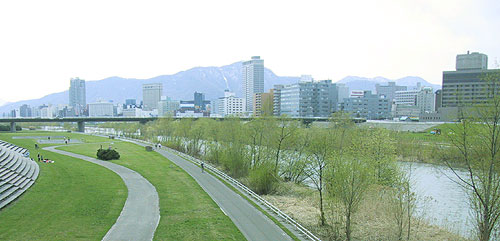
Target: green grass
column 187, row 212
column 71, row 200
column 425, row 136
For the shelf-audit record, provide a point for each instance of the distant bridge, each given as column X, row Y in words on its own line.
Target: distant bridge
column 81, row 120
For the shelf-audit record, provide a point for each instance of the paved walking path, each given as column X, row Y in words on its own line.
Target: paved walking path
column 140, row 214
column 250, row 221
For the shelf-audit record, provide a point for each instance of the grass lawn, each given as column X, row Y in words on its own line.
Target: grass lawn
column 71, row 200
column 187, row 212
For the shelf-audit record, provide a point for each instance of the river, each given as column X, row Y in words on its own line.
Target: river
column 440, row 200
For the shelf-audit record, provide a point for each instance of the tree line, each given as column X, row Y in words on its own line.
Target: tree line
column 340, row 161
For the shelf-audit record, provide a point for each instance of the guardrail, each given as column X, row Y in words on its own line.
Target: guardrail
column 236, row 183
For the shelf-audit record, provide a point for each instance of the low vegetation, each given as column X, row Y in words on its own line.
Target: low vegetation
column 108, row 154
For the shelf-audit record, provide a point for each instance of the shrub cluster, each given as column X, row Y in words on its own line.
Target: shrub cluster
column 7, row 128
column 108, row 154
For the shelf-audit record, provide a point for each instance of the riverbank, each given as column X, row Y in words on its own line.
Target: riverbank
column 373, row 221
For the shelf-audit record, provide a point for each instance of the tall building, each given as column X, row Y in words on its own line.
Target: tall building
column 277, row 99
column 253, row 80
column 309, row 99
column 467, row 85
column 389, row 90
column 151, row 95
column 77, row 95
column 199, row 101
column 25, row 110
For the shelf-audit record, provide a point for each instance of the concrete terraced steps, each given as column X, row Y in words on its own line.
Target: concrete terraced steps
column 17, row 172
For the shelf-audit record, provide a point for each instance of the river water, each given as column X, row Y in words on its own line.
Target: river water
column 440, row 200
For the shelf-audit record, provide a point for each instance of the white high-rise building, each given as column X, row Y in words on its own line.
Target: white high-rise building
column 77, row 95
column 253, row 80
column 151, row 95
column 227, row 105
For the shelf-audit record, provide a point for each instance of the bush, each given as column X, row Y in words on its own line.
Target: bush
column 108, row 154
column 262, row 179
column 149, row 148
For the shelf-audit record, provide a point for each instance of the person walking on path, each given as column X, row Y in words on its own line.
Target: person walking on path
column 202, row 165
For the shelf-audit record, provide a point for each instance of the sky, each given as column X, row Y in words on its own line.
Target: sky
column 45, row 43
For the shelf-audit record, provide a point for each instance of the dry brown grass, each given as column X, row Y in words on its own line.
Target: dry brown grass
column 372, row 222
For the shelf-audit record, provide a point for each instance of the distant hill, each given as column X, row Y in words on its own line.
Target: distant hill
column 180, row 86
column 362, row 83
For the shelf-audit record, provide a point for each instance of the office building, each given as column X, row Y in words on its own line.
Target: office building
column 263, row 104
column 25, row 111
column 426, row 100
column 253, row 80
column 389, row 90
column 467, row 85
column 309, row 99
column 167, row 107
column 471, row 61
column 406, row 97
column 227, row 105
column 199, row 101
column 343, row 92
column 77, row 95
column 101, row 109
column 370, row 106
column 277, row 99
column 151, row 95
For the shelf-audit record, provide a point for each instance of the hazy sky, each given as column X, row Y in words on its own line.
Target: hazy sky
column 45, row 43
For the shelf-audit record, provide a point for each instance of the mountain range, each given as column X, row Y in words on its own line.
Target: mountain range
column 180, row 86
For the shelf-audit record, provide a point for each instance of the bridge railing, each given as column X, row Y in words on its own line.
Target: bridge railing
column 304, row 231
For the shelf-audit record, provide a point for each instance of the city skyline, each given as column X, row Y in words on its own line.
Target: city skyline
column 329, row 40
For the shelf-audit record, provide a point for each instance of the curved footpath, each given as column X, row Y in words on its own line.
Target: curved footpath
column 250, row 221
column 140, row 214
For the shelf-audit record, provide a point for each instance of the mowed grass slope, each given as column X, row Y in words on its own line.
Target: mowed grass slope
column 71, row 200
column 187, row 212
